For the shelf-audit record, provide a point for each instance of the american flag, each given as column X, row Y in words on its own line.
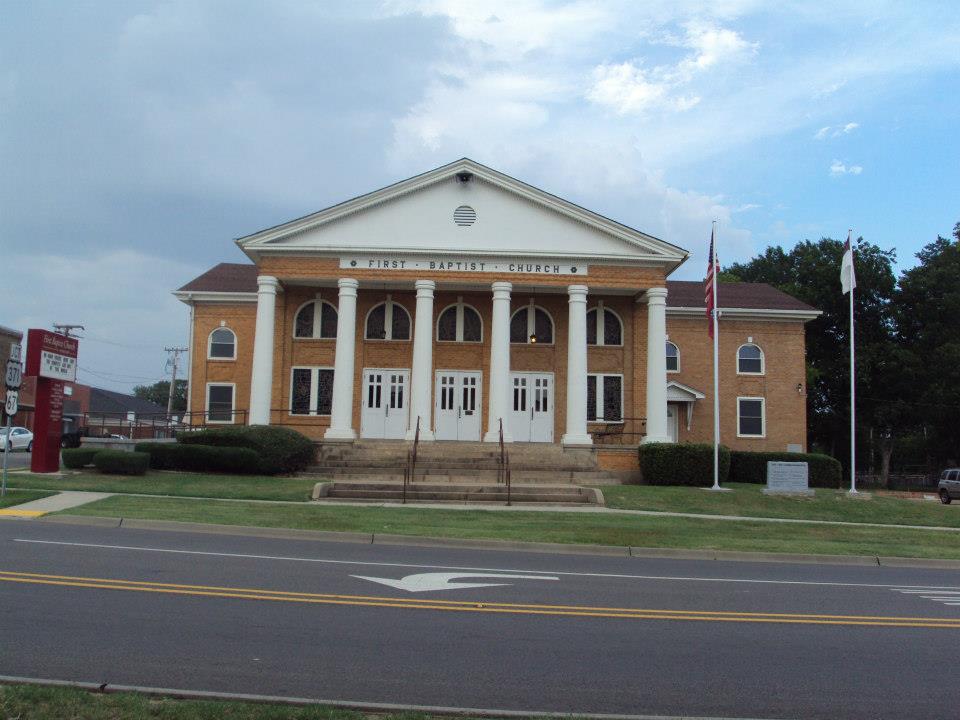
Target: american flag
column 712, row 267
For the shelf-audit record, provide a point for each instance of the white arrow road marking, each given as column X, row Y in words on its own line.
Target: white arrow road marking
column 427, row 582
column 946, row 597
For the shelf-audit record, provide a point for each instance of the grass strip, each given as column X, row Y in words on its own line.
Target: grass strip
column 232, row 487
column 748, row 500
column 18, row 497
column 574, row 528
column 37, row 702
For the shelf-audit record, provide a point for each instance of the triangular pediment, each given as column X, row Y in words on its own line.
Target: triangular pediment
column 464, row 208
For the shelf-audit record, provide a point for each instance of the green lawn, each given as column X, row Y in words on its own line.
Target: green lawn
column 34, row 702
column 748, row 500
column 17, row 497
column 237, row 487
column 589, row 528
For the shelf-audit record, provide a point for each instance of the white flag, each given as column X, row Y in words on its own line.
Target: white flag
column 848, row 280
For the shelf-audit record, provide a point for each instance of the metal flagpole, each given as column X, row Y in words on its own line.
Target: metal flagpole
column 853, row 383
column 716, row 367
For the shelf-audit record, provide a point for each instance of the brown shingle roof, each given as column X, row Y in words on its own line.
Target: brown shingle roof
column 225, row 277
column 749, row 296
column 242, row 277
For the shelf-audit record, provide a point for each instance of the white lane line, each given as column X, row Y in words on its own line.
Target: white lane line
column 940, row 595
column 616, row 576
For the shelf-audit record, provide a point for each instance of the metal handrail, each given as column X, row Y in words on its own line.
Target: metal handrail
column 411, row 468
column 503, row 466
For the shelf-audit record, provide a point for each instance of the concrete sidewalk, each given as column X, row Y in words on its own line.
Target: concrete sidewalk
column 62, row 501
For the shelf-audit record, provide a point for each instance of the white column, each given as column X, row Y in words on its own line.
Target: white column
column 498, row 402
column 421, row 376
column 341, row 412
column 577, row 367
column 261, row 375
column 657, row 366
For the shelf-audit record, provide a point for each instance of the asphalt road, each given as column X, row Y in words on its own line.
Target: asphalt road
column 581, row 634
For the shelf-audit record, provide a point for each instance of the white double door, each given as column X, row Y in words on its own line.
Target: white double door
column 385, row 403
column 457, row 406
column 532, row 403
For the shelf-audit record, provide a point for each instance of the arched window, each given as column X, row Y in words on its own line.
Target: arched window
column 388, row 321
column 531, row 324
column 749, row 360
column 673, row 357
column 222, row 345
column 309, row 323
column 604, row 327
column 459, row 323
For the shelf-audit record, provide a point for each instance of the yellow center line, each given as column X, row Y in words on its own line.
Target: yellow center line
column 475, row 606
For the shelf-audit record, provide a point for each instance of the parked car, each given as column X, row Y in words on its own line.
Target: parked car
column 20, row 439
column 949, row 485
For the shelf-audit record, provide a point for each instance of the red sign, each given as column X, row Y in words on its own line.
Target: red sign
column 52, row 358
column 51, row 355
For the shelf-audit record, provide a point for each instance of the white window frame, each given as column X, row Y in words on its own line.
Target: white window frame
column 314, row 391
column 763, row 416
column 210, row 344
column 677, row 348
column 233, row 404
column 317, row 313
column 599, row 398
column 459, row 305
column 763, row 359
column 531, row 309
column 387, row 321
column 599, row 320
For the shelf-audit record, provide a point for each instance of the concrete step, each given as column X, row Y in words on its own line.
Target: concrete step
column 460, row 493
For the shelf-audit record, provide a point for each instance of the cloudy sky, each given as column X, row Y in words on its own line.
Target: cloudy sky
column 138, row 138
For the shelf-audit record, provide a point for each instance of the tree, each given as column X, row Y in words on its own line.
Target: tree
column 811, row 272
column 928, row 322
column 159, row 392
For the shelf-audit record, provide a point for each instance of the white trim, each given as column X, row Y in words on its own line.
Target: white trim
column 532, row 324
column 387, row 322
column 190, row 296
column 459, row 305
column 233, row 404
column 763, row 416
column 599, row 320
column 677, row 348
column 314, row 391
column 763, row 360
column 693, row 392
column 210, row 345
column 747, row 313
column 598, row 399
column 317, row 317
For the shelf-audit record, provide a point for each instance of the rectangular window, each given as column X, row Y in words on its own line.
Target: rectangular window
column 311, row 391
column 220, row 403
column 750, row 417
column 604, row 398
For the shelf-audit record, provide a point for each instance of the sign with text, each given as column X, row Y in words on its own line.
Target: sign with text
column 11, row 405
column 787, row 477
column 446, row 263
column 50, row 355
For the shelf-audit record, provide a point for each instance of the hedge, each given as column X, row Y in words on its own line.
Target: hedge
column 681, row 463
column 751, row 467
column 121, row 462
column 200, row 458
column 280, row 450
column 76, row 458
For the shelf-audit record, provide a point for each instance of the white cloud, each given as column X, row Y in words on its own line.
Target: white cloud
column 850, row 127
column 626, row 89
column 837, row 131
column 822, row 133
column 838, row 169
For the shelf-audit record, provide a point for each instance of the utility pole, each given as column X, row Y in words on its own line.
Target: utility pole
column 173, row 375
column 65, row 328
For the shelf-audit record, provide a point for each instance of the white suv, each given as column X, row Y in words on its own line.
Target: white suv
column 949, row 485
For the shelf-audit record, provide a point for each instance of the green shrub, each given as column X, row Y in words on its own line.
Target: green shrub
column 200, row 458
column 751, row 467
column 121, row 462
column 280, row 450
column 76, row 458
column 681, row 464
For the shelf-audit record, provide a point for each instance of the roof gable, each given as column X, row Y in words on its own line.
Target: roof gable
column 417, row 216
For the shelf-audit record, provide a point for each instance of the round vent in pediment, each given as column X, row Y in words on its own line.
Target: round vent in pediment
column 464, row 216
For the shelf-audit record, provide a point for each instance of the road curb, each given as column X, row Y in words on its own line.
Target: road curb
column 502, row 545
column 109, row 688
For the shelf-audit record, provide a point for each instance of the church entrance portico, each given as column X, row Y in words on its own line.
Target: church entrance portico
column 385, row 402
column 457, row 414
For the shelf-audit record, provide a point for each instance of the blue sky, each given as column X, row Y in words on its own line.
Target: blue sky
column 139, row 138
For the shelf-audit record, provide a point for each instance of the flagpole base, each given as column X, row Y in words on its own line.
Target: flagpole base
column 717, row 488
